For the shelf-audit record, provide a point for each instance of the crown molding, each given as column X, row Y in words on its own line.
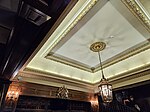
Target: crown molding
column 131, row 77
column 39, row 77
column 138, row 12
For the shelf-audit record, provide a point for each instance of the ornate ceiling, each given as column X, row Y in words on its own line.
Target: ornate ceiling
column 64, row 56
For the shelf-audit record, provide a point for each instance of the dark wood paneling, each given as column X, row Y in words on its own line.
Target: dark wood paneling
column 27, row 36
column 4, row 85
column 34, row 104
column 31, row 89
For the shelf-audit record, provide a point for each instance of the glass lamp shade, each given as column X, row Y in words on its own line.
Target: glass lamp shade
column 106, row 91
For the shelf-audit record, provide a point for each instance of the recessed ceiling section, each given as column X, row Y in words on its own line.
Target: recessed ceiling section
column 108, row 26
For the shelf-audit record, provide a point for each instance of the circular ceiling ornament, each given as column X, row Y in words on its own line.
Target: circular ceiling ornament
column 97, row 46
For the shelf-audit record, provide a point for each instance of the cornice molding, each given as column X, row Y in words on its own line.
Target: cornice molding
column 51, row 75
column 75, row 21
column 138, row 12
column 130, row 76
column 34, row 77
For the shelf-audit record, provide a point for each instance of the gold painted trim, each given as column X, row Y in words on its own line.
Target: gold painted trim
column 74, row 23
column 98, row 46
column 138, row 12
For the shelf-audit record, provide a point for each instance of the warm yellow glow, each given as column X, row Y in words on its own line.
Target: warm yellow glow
column 12, row 95
column 17, row 93
column 94, row 102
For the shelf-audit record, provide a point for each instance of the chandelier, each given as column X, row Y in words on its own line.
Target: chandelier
column 105, row 88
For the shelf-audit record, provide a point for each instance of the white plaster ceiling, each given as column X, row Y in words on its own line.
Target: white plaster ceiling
column 108, row 26
column 110, row 21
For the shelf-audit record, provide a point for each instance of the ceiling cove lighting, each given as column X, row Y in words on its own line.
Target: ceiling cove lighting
column 105, row 88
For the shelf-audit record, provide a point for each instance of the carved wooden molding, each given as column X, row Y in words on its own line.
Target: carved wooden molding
column 31, row 89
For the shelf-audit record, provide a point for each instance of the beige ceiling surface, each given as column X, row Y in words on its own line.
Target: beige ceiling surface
column 66, row 54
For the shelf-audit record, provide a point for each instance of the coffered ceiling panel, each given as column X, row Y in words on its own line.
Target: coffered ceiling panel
column 108, row 26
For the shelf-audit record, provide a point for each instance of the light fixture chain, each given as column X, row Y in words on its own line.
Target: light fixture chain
column 99, row 55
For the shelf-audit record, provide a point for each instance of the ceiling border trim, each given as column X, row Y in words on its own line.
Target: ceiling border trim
column 140, row 74
column 34, row 78
column 138, row 12
column 75, row 21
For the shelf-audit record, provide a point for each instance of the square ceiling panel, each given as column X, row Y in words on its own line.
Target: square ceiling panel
column 108, row 26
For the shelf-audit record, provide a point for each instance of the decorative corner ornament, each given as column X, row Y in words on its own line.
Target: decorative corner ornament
column 63, row 93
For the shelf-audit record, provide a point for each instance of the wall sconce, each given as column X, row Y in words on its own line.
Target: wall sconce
column 94, row 104
column 11, row 100
column 12, row 95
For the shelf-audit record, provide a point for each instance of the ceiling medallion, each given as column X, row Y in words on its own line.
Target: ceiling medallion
column 97, row 46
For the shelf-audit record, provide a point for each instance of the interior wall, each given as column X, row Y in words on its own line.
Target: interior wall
column 31, row 89
column 45, row 92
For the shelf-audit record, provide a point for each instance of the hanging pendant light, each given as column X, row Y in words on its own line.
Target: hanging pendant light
column 105, row 88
